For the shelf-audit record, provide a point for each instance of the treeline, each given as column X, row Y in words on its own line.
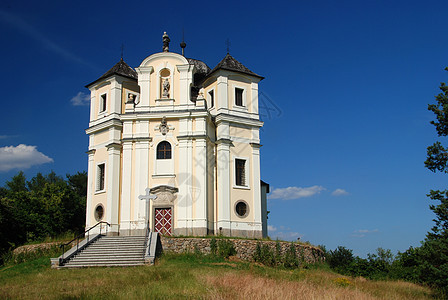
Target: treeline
column 45, row 206
column 426, row 264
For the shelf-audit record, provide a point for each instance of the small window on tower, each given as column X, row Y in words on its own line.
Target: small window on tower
column 164, row 150
column 99, row 212
column 212, row 98
column 239, row 97
column 103, row 102
column 100, row 177
column 240, row 172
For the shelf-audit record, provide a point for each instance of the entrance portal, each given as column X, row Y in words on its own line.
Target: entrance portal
column 163, row 220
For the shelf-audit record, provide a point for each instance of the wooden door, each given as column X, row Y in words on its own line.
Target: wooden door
column 163, row 221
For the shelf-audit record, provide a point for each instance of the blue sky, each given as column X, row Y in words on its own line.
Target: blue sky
column 344, row 100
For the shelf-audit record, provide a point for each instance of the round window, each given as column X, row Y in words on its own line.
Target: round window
column 241, row 208
column 99, row 212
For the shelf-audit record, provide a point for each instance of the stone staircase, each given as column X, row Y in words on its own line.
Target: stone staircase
column 111, row 251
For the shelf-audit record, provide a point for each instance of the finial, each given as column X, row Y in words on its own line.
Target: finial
column 228, row 45
column 166, row 42
column 183, row 44
column 122, row 50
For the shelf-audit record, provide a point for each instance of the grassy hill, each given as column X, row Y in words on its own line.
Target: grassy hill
column 191, row 276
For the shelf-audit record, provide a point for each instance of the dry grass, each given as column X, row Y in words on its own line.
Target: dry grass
column 184, row 277
column 234, row 285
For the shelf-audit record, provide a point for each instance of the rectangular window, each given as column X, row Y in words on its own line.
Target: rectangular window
column 240, row 172
column 103, row 102
column 239, row 97
column 212, row 98
column 100, row 173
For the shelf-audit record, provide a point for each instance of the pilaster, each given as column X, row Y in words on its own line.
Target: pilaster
column 113, row 185
column 223, row 201
column 90, row 187
column 200, row 191
column 126, row 192
column 256, row 188
column 115, row 96
column 185, row 78
column 141, row 180
column 222, row 93
column 144, row 81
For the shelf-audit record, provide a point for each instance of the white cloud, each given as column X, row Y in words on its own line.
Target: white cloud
column 21, row 157
column 360, row 233
column 272, row 228
column 339, row 192
column 80, row 99
column 294, row 192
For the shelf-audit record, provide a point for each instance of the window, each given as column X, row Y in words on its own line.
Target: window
column 99, row 212
column 164, row 150
column 239, row 97
column 240, row 172
column 100, row 173
column 212, row 98
column 103, row 101
column 241, row 208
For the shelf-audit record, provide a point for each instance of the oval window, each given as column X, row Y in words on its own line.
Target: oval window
column 241, row 209
column 99, row 212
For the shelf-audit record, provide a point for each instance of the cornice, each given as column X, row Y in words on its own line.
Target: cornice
column 223, row 141
column 165, row 113
column 136, row 139
column 105, row 125
column 115, row 146
column 192, row 136
column 237, row 119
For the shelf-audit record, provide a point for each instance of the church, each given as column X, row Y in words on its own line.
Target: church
column 174, row 148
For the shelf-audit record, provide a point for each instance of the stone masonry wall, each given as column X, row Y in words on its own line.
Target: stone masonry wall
column 245, row 249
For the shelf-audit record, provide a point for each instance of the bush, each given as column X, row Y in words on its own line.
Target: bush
column 225, row 248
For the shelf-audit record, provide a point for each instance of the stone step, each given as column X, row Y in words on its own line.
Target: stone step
column 96, row 255
column 103, row 265
column 102, row 259
column 111, row 251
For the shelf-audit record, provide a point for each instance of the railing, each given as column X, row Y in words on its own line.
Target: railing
column 82, row 235
column 146, row 238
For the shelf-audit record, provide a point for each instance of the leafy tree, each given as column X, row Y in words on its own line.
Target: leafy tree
column 341, row 258
column 434, row 251
column 45, row 206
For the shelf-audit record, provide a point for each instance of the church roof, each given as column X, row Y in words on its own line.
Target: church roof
column 231, row 64
column 121, row 68
column 200, row 65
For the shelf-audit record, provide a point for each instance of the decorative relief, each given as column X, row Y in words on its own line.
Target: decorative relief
column 165, row 194
column 164, row 128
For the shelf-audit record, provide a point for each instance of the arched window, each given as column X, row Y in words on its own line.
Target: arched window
column 164, row 150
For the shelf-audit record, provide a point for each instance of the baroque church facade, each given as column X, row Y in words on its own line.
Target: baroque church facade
column 174, row 147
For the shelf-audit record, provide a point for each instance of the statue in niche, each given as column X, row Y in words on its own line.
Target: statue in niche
column 166, row 88
column 131, row 98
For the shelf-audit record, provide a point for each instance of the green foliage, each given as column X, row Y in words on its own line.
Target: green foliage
column 340, row 258
column 225, row 248
column 213, row 246
column 431, row 259
column 45, row 206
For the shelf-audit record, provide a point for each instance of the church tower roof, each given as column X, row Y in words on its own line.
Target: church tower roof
column 231, row 64
column 121, row 68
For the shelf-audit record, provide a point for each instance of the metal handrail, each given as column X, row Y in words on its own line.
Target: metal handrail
column 146, row 238
column 81, row 236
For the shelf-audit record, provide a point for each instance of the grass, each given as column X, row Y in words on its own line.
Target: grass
column 190, row 276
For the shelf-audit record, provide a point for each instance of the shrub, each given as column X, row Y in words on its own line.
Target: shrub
column 225, row 248
column 213, row 246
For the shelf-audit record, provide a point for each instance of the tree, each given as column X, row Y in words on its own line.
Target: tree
column 434, row 250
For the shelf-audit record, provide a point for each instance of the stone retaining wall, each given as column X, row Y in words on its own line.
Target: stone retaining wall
column 245, row 249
